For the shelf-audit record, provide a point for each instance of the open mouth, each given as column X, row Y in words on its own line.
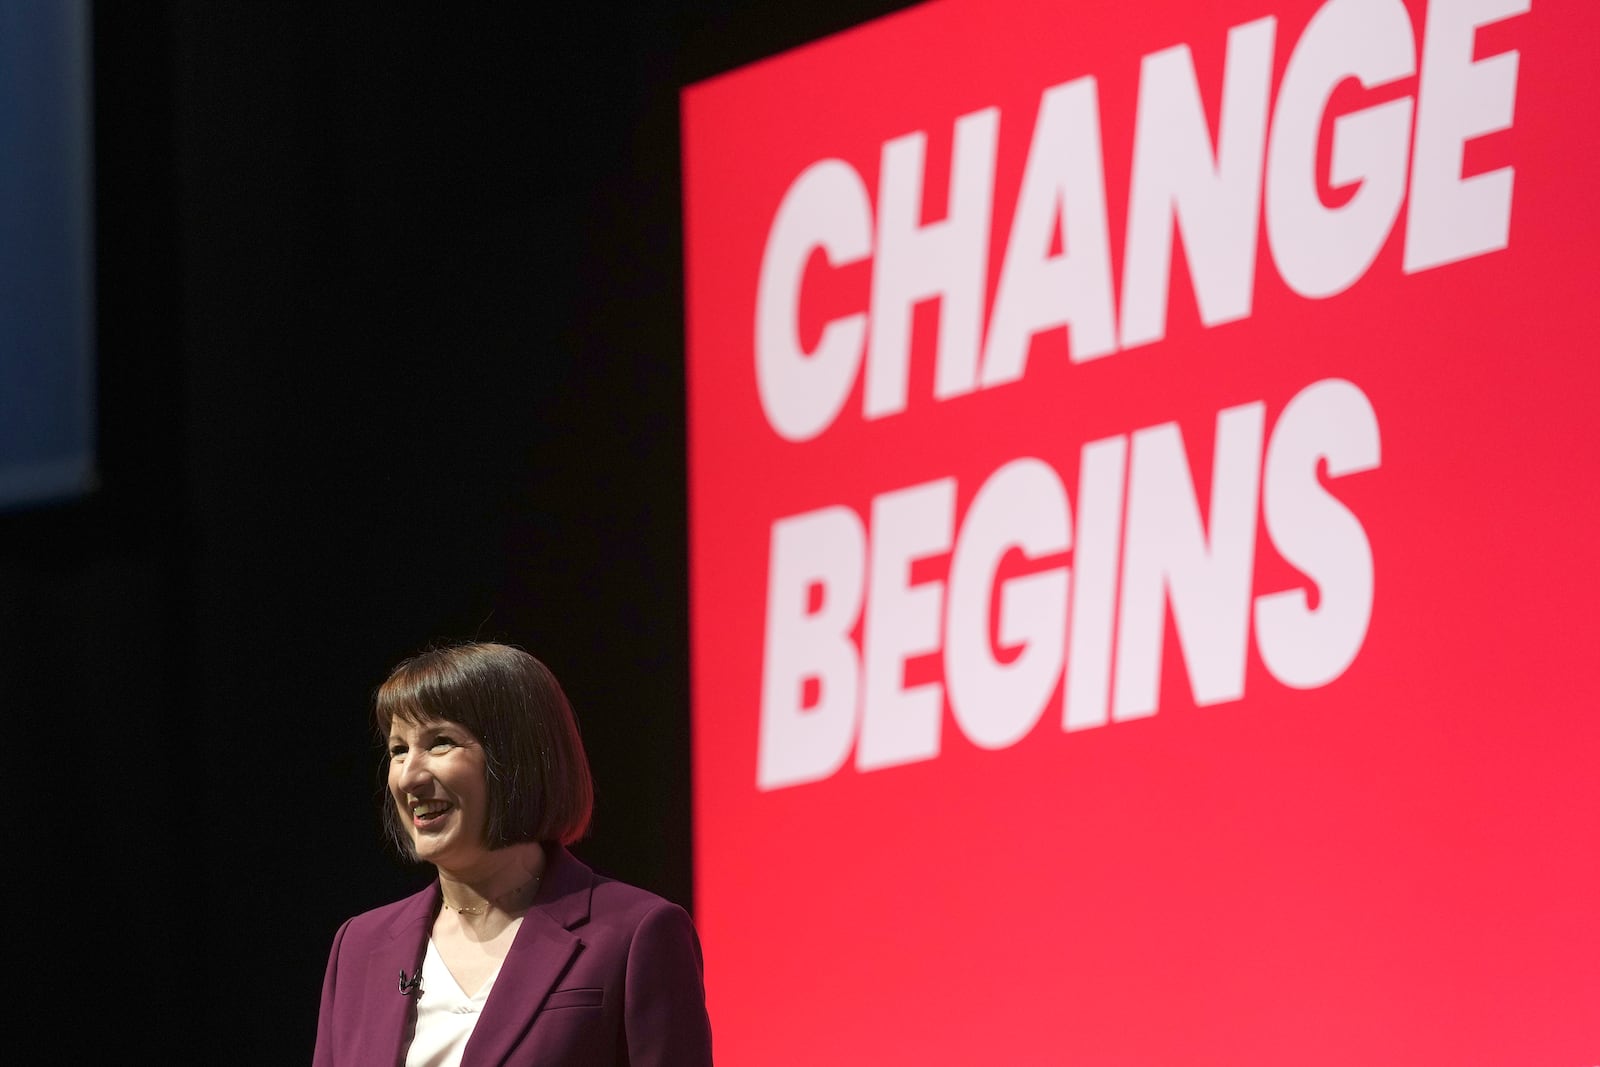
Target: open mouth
column 429, row 811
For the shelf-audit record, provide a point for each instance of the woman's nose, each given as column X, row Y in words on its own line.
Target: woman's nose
column 413, row 774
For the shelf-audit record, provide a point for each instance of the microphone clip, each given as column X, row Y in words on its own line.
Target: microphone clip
column 411, row 986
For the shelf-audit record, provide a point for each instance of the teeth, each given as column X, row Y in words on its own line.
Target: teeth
column 429, row 808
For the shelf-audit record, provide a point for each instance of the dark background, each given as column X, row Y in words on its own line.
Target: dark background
column 390, row 352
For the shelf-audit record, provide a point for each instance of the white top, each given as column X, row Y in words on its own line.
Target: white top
column 445, row 1014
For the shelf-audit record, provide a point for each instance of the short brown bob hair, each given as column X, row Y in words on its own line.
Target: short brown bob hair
column 538, row 775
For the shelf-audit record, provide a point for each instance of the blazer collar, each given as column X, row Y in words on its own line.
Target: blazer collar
column 565, row 889
column 540, row 954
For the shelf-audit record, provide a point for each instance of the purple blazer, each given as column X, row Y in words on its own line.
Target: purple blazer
column 599, row 973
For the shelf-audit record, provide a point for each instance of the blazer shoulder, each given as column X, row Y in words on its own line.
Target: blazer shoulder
column 382, row 920
column 620, row 902
column 581, row 897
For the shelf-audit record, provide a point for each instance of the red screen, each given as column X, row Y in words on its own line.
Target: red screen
column 1141, row 464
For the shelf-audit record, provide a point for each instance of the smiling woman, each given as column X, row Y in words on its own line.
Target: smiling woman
column 518, row 953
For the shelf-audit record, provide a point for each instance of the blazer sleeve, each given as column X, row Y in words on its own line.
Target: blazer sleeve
column 664, row 1004
column 325, row 1015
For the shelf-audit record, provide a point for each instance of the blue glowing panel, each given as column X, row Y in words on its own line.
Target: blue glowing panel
column 46, row 259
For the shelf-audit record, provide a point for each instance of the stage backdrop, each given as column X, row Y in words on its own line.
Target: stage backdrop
column 1142, row 494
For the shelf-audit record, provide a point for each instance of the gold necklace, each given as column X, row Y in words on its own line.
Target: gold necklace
column 491, row 900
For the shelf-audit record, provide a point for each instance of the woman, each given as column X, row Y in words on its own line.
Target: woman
column 517, row 953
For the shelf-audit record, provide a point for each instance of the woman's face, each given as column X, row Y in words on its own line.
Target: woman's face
column 437, row 781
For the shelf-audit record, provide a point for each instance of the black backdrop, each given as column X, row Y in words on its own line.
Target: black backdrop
column 390, row 351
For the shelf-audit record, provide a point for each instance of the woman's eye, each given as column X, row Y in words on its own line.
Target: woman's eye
column 442, row 743
column 396, row 751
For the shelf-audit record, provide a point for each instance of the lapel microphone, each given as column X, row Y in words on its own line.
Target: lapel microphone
column 411, row 985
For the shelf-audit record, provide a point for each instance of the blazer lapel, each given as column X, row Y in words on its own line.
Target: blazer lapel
column 388, row 1023
column 540, row 954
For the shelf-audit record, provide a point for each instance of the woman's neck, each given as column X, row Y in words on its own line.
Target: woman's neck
column 505, row 880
